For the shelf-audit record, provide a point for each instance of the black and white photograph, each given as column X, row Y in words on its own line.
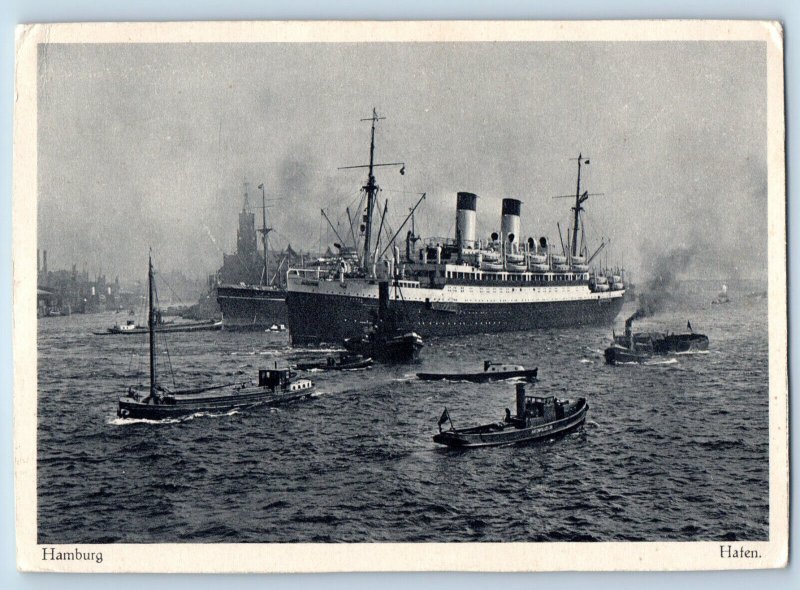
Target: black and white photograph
column 400, row 296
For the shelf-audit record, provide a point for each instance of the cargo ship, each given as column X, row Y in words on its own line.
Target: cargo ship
column 459, row 286
column 248, row 295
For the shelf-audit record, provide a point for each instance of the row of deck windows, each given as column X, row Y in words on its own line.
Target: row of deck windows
column 534, row 278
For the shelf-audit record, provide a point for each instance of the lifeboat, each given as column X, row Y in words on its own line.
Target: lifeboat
column 600, row 288
column 617, row 286
column 493, row 266
column 515, row 258
column 558, row 259
column 540, row 267
column 540, row 259
column 490, row 256
column 578, row 267
column 560, row 267
column 516, row 266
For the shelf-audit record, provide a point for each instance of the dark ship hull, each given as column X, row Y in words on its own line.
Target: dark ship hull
column 316, row 317
column 251, row 306
column 483, row 377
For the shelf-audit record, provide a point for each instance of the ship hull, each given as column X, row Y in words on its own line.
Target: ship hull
column 251, row 307
column 316, row 317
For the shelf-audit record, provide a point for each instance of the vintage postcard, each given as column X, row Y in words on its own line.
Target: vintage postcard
column 400, row 296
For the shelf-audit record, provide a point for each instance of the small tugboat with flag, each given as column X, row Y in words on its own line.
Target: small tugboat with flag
column 275, row 387
column 491, row 372
column 639, row 347
column 537, row 418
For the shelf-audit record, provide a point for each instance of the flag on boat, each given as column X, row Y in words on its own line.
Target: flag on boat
column 689, row 326
column 444, row 418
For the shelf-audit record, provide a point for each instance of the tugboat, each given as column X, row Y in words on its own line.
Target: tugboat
column 491, row 372
column 537, row 418
column 641, row 346
column 275, row 386
column 384, row 341
column 345, row 362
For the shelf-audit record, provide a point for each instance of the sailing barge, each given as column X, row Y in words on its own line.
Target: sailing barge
column 275, row 387
column 537, row 418
column 457, row 286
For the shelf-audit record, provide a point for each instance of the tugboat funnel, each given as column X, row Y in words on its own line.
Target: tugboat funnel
column 520, row 400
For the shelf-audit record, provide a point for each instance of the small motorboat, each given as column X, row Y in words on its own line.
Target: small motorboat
column 491, row 372
column 345, row 362
column 537, row 418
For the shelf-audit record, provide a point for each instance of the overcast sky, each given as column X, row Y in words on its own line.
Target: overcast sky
column 151, row 144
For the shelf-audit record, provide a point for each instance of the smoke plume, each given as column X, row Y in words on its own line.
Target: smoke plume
column 662, row 286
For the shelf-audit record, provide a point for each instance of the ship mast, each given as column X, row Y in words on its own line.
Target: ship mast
column 151, row 324
column 371, row 188
column 579, row 198
column 264, row 233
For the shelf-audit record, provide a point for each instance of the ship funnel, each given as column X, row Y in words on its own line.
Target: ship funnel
column 510, row 222
column 466, row 205
column 520, row 400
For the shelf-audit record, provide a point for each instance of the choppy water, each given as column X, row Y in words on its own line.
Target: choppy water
column 676, row 450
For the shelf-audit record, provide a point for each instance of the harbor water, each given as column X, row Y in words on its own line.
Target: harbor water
column 673, row 450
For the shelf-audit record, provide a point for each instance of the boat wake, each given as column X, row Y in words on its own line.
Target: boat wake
column 406, row 377
column 664, row 362
column 589, row 361
column 127, row 421
column 688, row 352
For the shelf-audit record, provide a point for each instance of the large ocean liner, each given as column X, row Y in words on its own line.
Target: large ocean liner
column 461, row 285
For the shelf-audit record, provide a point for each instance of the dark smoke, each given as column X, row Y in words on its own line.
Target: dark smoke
column 663, row 285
